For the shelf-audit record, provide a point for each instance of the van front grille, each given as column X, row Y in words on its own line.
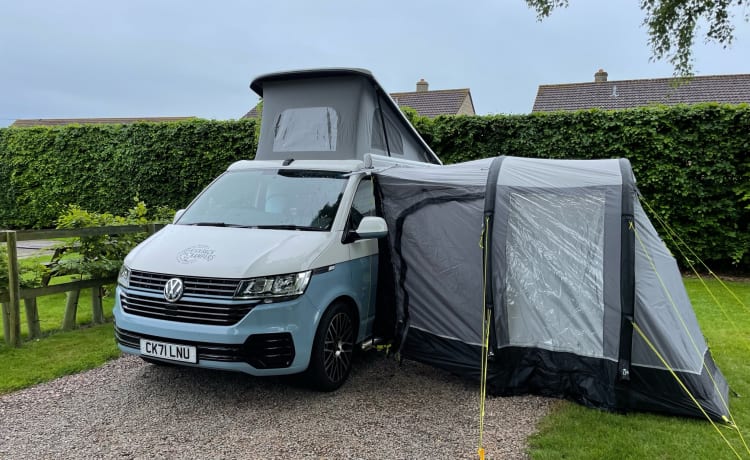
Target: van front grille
column 193, row 286
column 185, row 311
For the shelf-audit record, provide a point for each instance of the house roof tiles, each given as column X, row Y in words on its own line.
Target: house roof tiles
column 435, row 102
column 622, row 94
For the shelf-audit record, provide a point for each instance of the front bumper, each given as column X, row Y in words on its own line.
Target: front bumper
column 272, row 339
column 261, row 351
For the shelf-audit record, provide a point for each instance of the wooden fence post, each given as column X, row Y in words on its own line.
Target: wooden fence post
column 12, row 314
column 32, row 318
column 71, row 307
column 97, row 313
column 5, row 310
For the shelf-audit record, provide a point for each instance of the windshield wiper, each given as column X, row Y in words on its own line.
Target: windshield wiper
column 264, row 227
column 209, row 224
column 287, row 227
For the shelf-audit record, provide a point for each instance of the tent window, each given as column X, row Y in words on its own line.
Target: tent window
column 555, row 251
column 306, row 129
column 395, row 142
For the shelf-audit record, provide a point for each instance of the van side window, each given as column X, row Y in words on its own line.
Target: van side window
column 395, row 142
column 363, row 204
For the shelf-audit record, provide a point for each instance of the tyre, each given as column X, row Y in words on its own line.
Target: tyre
column 333, row 347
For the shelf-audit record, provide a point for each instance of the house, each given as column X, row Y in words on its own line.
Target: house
column 624, row 94
column 427, row 103
column 26, row 123
column 436, row 102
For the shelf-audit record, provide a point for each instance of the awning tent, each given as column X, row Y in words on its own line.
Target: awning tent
column 586, row 301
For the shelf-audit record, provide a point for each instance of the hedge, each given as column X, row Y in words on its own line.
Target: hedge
column 691, row 163
column 101, row 168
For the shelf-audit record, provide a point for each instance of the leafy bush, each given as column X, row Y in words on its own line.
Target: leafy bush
column 101, row 256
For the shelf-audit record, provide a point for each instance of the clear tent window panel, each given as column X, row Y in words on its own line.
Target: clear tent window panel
column 555, row 276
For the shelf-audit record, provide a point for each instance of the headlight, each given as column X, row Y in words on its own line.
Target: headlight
column 123, row 279
column 270, row 287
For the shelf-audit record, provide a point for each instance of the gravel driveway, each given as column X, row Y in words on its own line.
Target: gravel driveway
column 128, row 409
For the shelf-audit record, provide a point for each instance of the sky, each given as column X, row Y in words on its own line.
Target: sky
column 138, row 58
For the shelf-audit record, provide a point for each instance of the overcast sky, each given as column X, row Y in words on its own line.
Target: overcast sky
column 76, row 58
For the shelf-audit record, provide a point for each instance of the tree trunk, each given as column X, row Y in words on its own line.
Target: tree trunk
column 32, row 318
column 6, row 321
column 97, row 314
column 71, row 307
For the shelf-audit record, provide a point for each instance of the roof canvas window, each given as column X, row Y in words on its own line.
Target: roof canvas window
column 306, row 129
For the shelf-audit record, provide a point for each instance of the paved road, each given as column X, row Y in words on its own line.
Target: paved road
column 35, row 247
column 128, row 409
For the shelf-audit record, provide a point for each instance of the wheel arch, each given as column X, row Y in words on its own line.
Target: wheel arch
column 351, row 304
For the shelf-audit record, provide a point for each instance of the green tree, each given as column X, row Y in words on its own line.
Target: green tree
column 673, row 25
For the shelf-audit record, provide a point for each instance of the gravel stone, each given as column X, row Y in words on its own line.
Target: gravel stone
column 128, row 409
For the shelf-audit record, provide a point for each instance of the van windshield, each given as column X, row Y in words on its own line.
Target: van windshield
column 269, row 198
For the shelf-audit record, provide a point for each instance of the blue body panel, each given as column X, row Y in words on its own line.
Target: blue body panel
column 355, row 281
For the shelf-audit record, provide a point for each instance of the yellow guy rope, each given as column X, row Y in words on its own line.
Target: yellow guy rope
column 677, row 313
column 684, row 388
column 486, row 317
column 677, row 239
column 692, row 340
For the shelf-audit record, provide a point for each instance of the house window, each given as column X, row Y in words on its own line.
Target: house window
column 395, row 142
column 306, row 129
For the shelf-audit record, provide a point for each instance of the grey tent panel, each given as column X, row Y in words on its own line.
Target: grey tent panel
column 663, row 309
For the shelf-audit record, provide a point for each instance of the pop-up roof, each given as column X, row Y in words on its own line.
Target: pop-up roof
column 333, row 114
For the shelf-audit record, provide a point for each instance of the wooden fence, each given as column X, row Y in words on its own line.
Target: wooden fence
column 11, row 300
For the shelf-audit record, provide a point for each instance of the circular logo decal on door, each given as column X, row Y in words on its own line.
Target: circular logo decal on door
column 173, row 290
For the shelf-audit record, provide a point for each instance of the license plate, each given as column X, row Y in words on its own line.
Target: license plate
column 170, row 351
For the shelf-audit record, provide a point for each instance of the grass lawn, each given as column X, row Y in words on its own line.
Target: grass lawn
column 576, row 432
column 57, row 353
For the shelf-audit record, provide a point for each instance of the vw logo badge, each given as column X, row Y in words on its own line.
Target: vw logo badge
column 173, row 290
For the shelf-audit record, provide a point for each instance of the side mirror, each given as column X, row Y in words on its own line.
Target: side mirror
column 177, row 215
column 371, row 227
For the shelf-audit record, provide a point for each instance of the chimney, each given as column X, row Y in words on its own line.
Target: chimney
column 422, row 85
column 600, row 76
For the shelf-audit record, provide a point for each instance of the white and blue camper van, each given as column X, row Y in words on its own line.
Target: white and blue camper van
column 273, row 268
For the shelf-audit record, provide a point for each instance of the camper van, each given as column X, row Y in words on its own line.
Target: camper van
column 273, row 268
